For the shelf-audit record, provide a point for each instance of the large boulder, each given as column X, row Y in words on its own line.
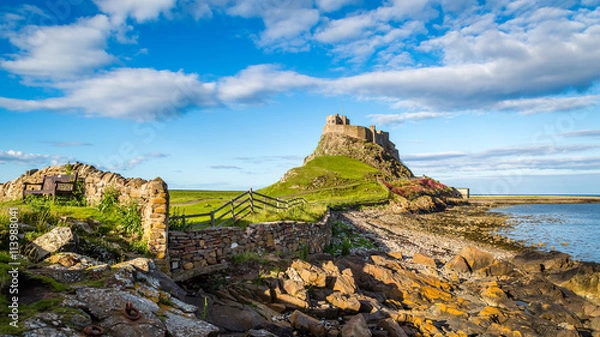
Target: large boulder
column 356, row 327
column 311, row 275
column 538, row 261
column 584, row 280
column 59, row 239
column 476, row 258
column 235, row 317
column 182, row 326
column 305, row 323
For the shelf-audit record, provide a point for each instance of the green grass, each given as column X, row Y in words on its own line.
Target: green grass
column 331, row 180
column 324, row 181
column 194, row 202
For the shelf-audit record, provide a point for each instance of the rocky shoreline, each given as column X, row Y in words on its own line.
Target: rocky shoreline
column 438, row 274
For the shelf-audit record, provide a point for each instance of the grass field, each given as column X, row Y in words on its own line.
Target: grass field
column 324, row 181
column 197, row 201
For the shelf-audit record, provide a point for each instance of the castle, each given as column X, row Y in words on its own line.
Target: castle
column 341, row 125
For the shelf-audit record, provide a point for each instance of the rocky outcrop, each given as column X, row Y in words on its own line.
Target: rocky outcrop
column 136, row 300
column 332, row 144
column 398, row 296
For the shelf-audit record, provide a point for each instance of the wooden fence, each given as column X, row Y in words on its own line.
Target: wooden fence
column 239, row 208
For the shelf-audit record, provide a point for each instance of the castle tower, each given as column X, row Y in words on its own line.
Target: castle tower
column 373, row 134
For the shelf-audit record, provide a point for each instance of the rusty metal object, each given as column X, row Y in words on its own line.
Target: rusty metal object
column 131, row 312
column 93, row 330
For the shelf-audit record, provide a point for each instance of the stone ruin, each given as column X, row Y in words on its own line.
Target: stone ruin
column 152, row 197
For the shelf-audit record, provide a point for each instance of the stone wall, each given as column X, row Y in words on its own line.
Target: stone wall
column 94, row 181
column 154, row 203
column 151, row 196
column 194, row 252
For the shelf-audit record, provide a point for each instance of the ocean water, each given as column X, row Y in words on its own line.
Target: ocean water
column 570, row 228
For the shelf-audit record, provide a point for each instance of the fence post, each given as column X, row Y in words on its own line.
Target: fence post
column 212, row 219
column 251, row 201
column 232, row 210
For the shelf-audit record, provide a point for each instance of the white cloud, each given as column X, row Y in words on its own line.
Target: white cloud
column 130, row 93
column 140, row 10
column 548, row 104
column 255, row 83
column 333, row 5
column 435, row 156
column 285, row 27
column 384, row 119
column 344, row 29
column 59, row 52
column 582, row 133
column 515, row 162
column 12, row 156
column 287, row 23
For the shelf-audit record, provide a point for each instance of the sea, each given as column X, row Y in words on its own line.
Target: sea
column 570, row 228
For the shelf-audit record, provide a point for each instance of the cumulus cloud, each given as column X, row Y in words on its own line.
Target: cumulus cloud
column 530, row 159
column 486, row 62
column 287, row 23
column 140, row 10
column 548, row 104
column 12, row 156
column 256, row 83
column 59, row 52
column 130, row 93
column 333, row 5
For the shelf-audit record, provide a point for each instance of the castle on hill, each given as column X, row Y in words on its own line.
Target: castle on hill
column 341, row 125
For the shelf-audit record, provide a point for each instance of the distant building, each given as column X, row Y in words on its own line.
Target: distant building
column 341, row 125
column 464, row 192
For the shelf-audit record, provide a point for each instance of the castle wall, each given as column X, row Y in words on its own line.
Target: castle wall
column 337, row 124
column 350, row 130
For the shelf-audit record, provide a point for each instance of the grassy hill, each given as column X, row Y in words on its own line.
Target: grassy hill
column 331, row 180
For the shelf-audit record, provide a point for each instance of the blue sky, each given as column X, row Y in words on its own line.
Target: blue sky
column 499, row 96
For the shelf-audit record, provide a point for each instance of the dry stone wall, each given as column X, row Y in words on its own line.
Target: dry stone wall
column 195, row 252
column 94, row 181
column 151, row 196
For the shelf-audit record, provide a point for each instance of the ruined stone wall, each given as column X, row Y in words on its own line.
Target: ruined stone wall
column 154, row 203
column 194, row 252
column 151, row 196
column 94, row 181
